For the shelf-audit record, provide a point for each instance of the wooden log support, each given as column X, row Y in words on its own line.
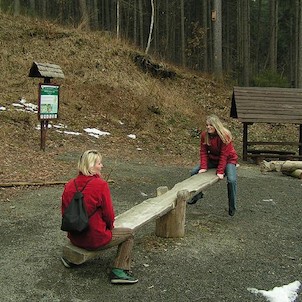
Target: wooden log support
column 78, row 255
column 172, row 225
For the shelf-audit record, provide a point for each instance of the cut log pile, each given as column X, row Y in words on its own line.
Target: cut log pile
column 288, row 167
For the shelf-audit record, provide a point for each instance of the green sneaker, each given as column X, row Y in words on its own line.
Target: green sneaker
column 120, row 276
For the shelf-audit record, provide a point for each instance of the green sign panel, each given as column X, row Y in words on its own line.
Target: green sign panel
column 48, row 101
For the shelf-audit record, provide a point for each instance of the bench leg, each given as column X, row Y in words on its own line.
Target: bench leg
column 123, row 255
column 172, row 225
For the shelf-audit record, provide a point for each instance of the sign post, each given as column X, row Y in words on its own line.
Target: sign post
column 48, row 107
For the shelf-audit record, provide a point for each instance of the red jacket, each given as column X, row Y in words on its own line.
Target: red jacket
column 218, row 152
column 96, row 195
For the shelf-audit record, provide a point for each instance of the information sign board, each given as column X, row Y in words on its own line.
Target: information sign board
column 48, row 101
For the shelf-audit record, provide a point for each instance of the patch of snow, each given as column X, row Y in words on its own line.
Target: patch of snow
column 96, row 132
column 285, row 293
column 133, row 136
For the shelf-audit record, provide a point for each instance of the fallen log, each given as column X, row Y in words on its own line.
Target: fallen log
column 280, row 166
column 290, row 166
column 271, row 166
column 38, row 183
column 297, row 173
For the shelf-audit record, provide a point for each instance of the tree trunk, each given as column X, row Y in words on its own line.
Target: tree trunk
column 141, row 23
column 151, row 27
column 274, row 33
column 84, row 15
column 107, row 15
column 299, row 50
column 96, row 24
column 205, row 37
column 16, row 7
column 44, row 9
column 135, row 23
column 182, row 30
column 167, row 19
column 227, row 53
column 32, row 4
column 118, row 19
column 210, row 37
column 217, row 35
column 246, row 42
column 257, row 50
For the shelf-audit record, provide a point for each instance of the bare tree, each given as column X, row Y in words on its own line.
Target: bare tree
column 151, row 26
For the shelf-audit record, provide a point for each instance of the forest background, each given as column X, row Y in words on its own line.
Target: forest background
column 252, row 42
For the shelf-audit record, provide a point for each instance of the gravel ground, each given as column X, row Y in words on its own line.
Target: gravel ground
column 217, row 260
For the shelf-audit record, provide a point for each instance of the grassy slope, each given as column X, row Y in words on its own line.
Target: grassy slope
column 102, row 87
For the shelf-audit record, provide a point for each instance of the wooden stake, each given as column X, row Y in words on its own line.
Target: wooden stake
column 172, row 225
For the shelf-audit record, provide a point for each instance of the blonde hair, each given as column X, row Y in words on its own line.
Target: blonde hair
column 87, row 161
column 223, row 132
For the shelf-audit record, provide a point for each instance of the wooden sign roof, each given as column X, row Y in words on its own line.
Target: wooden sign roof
column 45, row 70
column 267, row 105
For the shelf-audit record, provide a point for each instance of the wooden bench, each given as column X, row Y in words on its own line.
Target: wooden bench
column 280, row 152
column 260, row 155
column 168, row 209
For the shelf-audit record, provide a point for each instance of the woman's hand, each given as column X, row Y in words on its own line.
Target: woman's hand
column 220, row 176
column 202, row 170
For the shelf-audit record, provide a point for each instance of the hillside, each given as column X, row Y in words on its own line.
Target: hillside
column 103, row 89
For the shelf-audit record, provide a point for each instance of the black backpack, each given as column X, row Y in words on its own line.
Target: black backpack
column 75, row 217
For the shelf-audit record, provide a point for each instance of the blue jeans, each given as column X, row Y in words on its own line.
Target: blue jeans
column 231, row 174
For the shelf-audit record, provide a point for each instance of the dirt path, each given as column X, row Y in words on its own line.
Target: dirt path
column 217, row 260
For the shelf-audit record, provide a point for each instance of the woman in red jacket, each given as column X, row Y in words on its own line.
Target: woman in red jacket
column 101, row 232
column 217, row 151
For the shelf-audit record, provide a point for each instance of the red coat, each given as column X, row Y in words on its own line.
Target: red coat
column 218, row 153
column 96, row 194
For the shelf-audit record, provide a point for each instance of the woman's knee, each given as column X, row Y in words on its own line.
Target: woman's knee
column 232, row 180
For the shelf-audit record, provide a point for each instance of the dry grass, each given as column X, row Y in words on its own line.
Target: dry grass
column 102, row 88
